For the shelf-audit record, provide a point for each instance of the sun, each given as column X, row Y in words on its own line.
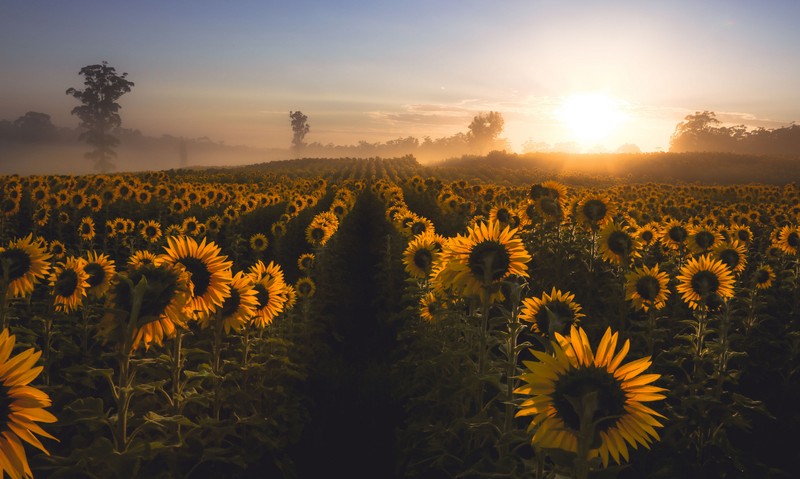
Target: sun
column 590, row 118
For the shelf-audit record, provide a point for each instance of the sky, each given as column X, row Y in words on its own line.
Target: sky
column 597, row 74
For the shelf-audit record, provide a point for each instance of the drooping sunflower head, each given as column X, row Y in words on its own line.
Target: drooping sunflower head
column 305, row 287
column 551, row 313
column 647, row 288
column 69, row 281
column 210, row 271
column 100, row 268
column 704, row 282
column 306, row 261
column 22, row 264
column 580, row 395
column 164, row 293
column 420, row 254
column 239, row 307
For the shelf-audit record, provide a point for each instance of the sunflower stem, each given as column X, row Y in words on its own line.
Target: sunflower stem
column 588, row 408
column 216, row 354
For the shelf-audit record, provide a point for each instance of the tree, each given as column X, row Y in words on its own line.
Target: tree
column 34, row 127
column 484, row 130
column 300, row 128
column 99, row 112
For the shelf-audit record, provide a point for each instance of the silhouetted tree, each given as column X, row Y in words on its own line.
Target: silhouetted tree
column 34, row 127
column 484, row 130
column 99, row 112
column 300, row 128
column 704, row 132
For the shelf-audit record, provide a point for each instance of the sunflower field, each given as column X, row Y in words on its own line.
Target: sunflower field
column 382, row 319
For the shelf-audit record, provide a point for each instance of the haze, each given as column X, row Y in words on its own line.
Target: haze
column 377, row 71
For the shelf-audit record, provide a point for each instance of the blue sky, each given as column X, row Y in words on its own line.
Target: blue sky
column 379, row 70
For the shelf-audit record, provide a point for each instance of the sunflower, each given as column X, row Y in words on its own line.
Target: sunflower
column 788, row 240
column 647, row 288
column 151, row 231
column 763, row 277
column 259, row 242
column 214, row 224
column 239, row 307
column 95, row 203
column 57, row 249
column 190, row 226
column 86, row 229
column 704, row 280
column 23, row 406
column 140, row 258
column 420, row 225
column 22, row 264
column 70, row 282
column 703, row 239
column 306, row 262
column 278, row 229
column 548, row 198
column 271, row 297
column 430, row 306
column 674, row 235
column 305, row 287
column 552, row 312
column 732, row 253
column 100, row 268
column 42, row 215
column 260, row 271
column 167, row 292
column 593, row 211
column 9, row 207
column 617, row 244
column 484, row 257
column 573, row 382
column 210, row 271
column 647, row 234
column 420, row 254
column 741, row 233
column 318, row 234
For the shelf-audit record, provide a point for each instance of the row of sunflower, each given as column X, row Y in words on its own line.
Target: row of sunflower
column 693, row 289
column 167, row 350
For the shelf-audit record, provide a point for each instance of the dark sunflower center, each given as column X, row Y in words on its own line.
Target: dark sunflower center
column 595, row 210
column 19, row 262
column 96, row 274
column 503, row 215
column 151, row 231
column 317, row 234
column 86, row 228
column 418, row 227
column 647, row 236
column 423, row 259
column 201, row 276
column 489, row 254
column 648, row 288
column 557, row 311
column 67, row 283
column 619, row 243
column 191, row 227
column 705, row 282
column 162, row 285
column 304, row 289
column 576, row 384
column 537, row 191
column 262, row 295
column 704, row 239
column 762, row 276
column 743, row 235
column 9, row 205
column 793, row 239
column 231, row 303
column 730, row 257
column 550, row 206
column 677, row 234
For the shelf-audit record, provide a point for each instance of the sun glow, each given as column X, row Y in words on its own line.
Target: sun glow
column 590, row 118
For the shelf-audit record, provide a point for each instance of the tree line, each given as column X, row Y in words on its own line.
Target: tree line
column 703, row 131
